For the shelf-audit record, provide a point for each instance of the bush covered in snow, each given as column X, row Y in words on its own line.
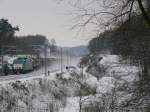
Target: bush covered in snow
column 33, row 95
column 117, row 88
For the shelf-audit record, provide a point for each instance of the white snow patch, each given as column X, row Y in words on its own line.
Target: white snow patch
column 72, row 105
column 109, row 59
column 105, row 85
column 91, row 80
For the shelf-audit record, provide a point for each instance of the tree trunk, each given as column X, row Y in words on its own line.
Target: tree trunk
column 144, row 13
column 145, row 70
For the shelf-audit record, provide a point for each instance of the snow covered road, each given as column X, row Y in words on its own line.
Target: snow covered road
column 34, row 74
column 53, row 68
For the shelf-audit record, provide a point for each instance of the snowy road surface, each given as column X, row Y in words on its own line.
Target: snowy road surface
column 54, row 67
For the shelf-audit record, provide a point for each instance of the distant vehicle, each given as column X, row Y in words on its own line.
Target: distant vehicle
column 22, row 64
column 35, row 62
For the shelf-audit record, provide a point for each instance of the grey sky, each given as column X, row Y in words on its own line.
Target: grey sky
column 46, row 17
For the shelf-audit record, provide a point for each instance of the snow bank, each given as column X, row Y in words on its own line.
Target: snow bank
column 91, row 80
column 72, row 105
column 105, row 85
column 116, row 76
column 109, row 59
column 34, row 94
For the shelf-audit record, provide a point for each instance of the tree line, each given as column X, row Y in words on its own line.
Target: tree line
column 30, row 44
column 131, row 40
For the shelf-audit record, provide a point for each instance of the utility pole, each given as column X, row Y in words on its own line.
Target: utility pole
column 70, row 57
column 2, row 58
column 1, row 53
column 45, row 58
column 49, row 57
column 61, row 60
column 67, row 55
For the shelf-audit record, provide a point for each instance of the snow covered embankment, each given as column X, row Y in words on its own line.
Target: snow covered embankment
column 33, row 95
column 113, row 88
column 108, row 93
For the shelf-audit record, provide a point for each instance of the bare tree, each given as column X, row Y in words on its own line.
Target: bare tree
column 105, row 14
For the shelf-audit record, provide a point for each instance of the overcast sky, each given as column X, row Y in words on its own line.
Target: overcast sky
column 46, row 17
